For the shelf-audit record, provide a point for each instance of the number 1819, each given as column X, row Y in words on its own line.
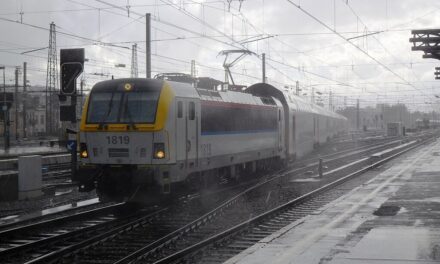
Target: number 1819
column 118, row 139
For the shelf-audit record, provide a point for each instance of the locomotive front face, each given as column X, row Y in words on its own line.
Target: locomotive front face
column 123, row 123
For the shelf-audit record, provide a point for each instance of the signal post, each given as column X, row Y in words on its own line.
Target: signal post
column 72, row 65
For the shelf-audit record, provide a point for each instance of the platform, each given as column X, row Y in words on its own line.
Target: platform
column 29, row 150
column 392, row 218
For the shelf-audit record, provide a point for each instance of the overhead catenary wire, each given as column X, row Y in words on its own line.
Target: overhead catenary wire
column 113, row 7
column 285, row 71
column 352, row 44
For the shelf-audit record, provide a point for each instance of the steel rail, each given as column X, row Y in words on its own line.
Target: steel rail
column 174, row 236
column 41, row 218
column 257, row 219
column 53, row 256
column 56, row 221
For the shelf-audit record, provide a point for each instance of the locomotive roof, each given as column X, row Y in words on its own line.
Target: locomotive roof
column 187, row 90
column 137, row 83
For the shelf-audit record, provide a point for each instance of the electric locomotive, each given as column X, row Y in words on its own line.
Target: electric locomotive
column 147, row 139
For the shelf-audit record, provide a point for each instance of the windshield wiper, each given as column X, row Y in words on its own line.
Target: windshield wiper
column 128, row 113
column 104, row 118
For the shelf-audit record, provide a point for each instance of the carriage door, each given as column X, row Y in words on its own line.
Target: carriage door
column 191, row 134
column 181, row 131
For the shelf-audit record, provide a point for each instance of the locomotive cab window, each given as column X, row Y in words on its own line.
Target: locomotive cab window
column 123, row 107
column 192, row 111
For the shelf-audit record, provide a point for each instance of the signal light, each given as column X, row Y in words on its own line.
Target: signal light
column 69, row 73
column 72, row 64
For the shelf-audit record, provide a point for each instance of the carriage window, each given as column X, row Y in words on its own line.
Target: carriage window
column 192, row 110
column 179, row 109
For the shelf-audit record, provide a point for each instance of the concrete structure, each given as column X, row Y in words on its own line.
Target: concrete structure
column 392, row 218
column 29, row 177
column 394, row 129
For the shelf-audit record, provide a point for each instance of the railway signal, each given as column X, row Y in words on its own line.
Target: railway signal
column 72, row 64
column 69, row 72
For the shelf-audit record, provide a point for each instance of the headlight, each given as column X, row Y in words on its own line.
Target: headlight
column 83, row 150
column 159, row 150
column 84, row 154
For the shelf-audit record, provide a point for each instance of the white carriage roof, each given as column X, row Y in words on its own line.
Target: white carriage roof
column 299, row 104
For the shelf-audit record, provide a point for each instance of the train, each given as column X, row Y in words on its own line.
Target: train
column 148, row 139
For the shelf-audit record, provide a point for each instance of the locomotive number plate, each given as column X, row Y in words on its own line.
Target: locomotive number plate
column 118, row 140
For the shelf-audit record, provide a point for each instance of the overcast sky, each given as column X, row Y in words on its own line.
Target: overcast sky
column 306, row 43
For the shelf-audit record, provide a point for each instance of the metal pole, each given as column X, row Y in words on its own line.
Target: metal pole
column 357, row 115
column 24, row 99
column 264, row 67
column 320, row 168
column 49, row 108
column 5, row 113
column 148, row 43
column 4, row 109
column 81, row 85
column 16, row 103
column 193, row 68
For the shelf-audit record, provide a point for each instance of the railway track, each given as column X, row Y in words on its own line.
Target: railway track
column 41, row 237
column 115, row 243
column 252, row 202
column 181, row 226
column 230, row 241
column 55, row 212
column 88, row 238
